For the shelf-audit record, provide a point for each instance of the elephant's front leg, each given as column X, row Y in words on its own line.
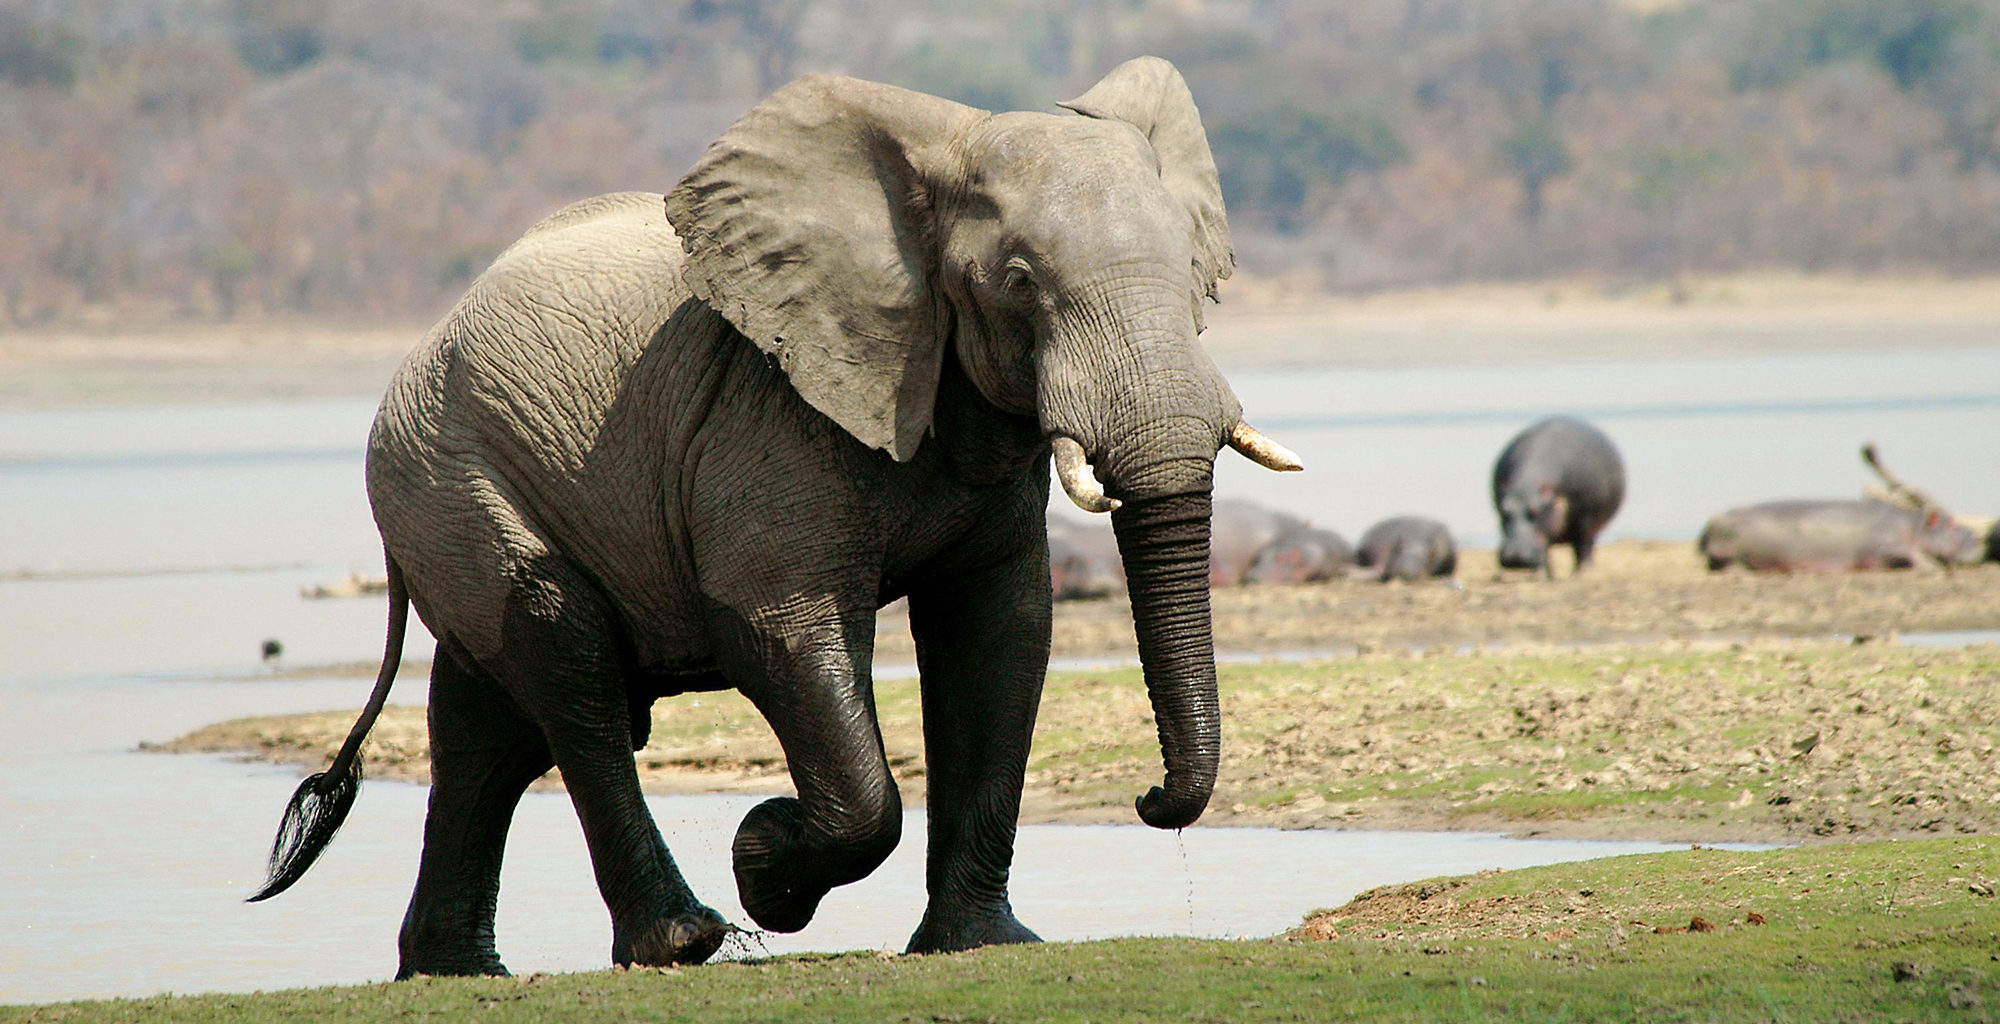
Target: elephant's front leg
column 807, row 671
column 983, row 651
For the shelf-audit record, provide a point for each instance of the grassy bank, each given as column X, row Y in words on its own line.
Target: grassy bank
column 1906, row 931
column 1775, row 740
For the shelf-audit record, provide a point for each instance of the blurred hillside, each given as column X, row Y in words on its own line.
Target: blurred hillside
column 361, row 159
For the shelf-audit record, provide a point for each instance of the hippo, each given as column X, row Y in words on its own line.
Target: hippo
column 1557, row 482
column 1238, row 531
column 1307, row 554
column 1836, row 536
column 1083, row 559
column 1406, row 548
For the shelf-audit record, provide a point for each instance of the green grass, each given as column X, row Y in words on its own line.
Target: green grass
column 1862, row 932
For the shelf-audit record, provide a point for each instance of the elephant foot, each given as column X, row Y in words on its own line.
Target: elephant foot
column 488, row 965
column 766, row 880
column 444, row 937
column 943, row 933
column 688, row 938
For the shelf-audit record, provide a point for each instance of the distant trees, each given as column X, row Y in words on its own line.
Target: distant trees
column 364, row 158
column 1279, row 163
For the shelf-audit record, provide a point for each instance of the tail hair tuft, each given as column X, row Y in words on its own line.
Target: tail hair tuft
column 317, row 809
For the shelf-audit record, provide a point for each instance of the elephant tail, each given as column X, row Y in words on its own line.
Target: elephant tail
column 322, row 801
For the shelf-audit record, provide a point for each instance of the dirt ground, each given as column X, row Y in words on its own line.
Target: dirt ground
column 1647, row 698
column 1637, row 592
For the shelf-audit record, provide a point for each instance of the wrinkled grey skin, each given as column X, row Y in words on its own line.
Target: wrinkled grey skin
column 1083, row 559
column 643, row 458
column 1406, row 548
column 1835, row 536
column 1241, row 530
column 1557, row 482
column 1303, row 554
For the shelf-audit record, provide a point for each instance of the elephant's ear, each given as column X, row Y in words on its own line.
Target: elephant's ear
column 807, row 227
column 1150, row 94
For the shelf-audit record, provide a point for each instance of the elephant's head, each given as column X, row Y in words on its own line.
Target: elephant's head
column 859, row 233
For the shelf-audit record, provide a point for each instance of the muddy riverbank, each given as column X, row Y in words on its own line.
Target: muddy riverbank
column 1646, row 698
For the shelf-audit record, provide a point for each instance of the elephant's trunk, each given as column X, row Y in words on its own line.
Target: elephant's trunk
column 1164, row 544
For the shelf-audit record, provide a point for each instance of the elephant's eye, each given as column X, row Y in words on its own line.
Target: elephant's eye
column 1018, row 282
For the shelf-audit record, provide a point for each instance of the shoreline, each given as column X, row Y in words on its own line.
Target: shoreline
column 1648, row 611
column 1261, row 324
column 1866, row 780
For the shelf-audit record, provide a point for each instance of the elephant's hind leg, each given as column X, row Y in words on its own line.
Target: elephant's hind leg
column 560, row 661
column 483, row 755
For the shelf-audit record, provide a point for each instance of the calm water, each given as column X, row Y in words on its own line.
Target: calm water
column 147, row 552
column 125, row 872
column 1698, row 436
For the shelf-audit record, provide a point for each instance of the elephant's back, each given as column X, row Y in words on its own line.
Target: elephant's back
column 542, row 344
column 517, row 422
column 611, row 212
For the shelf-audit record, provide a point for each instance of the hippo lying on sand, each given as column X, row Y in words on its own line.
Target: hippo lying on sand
column 1406, row 548
column 1305, row 554
column 1083, row 559
column 1252, row 544
column 1836, row 536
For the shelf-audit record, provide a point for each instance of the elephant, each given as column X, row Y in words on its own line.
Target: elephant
column 693, row 441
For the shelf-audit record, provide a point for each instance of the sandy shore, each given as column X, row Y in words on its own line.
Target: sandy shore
column 1509, row 645
column 1260, row 323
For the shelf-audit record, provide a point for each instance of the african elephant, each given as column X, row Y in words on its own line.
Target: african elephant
column 693, row 442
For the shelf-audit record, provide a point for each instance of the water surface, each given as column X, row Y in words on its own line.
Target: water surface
column 126, row 872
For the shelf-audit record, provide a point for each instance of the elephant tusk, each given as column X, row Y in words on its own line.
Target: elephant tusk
column 1262, row 450
column 1073, row 469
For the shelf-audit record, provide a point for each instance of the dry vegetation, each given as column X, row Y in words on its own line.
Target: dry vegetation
column 355, row 159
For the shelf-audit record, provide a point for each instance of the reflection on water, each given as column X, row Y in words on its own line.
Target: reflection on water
column 143, row 548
